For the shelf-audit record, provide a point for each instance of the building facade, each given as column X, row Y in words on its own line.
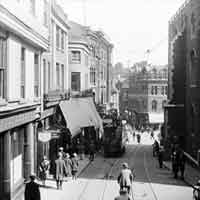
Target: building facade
column 184, row 59
column 144, row 95
column 23, row 39
column 78, row 58
column 54, row 85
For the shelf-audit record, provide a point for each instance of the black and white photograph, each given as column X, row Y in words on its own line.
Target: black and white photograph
column 99, row 99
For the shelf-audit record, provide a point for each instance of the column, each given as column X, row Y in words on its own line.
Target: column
column 6, row 166
column 29, row 150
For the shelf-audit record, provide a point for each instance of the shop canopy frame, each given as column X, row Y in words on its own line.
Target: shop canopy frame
column 80, row 113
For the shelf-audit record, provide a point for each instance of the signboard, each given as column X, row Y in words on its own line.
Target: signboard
column 44, row 136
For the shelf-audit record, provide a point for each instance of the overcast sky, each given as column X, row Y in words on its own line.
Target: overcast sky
column 132, row 25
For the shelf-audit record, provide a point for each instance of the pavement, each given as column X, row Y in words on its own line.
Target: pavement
column 50, row 191
column 191, row 176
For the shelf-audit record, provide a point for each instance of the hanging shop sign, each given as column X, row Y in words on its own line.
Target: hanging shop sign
column 44, row 136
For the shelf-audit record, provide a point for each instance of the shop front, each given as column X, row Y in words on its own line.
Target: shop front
column 17, row 153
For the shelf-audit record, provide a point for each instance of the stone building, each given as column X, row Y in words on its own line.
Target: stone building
column 144, row 94
column 183, row 112
column 23, row 39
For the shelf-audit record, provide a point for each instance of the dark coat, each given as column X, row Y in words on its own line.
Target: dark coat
column 74, row 164
column 60, row 169
column 32, row 191
column 68, row 164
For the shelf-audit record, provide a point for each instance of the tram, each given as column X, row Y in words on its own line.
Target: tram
column 114, row 139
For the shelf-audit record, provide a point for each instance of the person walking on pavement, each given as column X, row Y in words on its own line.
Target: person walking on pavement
column 182, row 164
column 92, row 150
column 123, row 195
column 32, row 191
column 175, row 163
column 75, row 164
column 61, row 150
column 68, row 164
column 44, row 169
column 60, row 170
column 160, row 156
column 125, row 178
column 155, row 148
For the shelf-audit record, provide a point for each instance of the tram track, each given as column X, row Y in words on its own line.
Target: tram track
column 148, row 177
column 123, row 159
column 115, row 165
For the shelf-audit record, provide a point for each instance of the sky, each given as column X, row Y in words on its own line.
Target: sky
column 133, row 26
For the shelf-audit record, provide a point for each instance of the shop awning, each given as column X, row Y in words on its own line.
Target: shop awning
column 79, row 113
column 156, row 118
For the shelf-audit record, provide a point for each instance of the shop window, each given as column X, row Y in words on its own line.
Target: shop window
column 17, row 145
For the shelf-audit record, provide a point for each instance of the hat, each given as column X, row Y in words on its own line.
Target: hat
column 125, row 165
column 61, row 148
column 32, row 177
column 74, row 154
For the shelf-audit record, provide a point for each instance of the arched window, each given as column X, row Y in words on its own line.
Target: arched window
column 154, row 105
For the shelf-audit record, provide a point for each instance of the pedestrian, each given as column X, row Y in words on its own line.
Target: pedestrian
column 182, row 164
column 81, row 149
column 61, row 150
column 152, row 135
column 125, row 178
column 44, row 169
column 92, row 150
column 160, row 156
column 155, row 148
column 60, row 170
column 138, row 138
column 32, row 191
column 123, row 195
column 75, row 164
column 68, row 164
column 175, row 163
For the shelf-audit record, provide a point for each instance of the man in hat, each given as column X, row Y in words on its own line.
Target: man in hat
column 60, row 170
column 68, row 164
column 61, row 150
column 32, row 191
column 125, row 177
column 123, row 195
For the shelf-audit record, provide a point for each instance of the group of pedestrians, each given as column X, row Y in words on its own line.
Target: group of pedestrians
column 65, row 166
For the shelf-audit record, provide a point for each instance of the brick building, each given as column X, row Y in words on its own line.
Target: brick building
column 182, row 116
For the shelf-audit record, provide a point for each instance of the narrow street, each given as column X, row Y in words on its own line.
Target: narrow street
column 98, row 180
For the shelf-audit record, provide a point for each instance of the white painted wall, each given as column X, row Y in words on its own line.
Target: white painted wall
column 80, row 67
column 14, row 67
column 21, row 9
